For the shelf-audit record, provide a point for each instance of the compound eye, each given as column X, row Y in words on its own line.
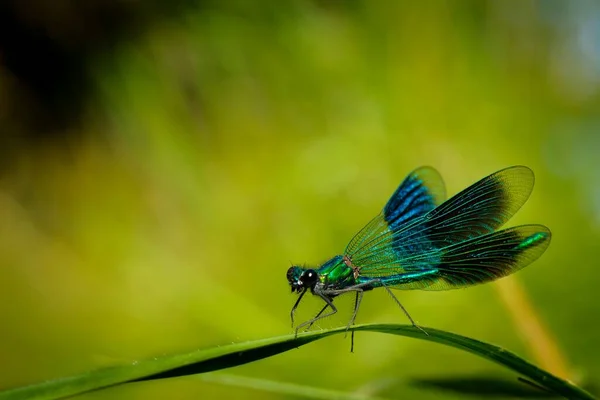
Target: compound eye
column 290, row 274
column 310, row 278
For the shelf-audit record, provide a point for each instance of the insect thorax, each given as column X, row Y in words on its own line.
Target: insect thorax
column 335, row 273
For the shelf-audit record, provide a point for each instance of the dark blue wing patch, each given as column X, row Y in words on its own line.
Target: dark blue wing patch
column 421, row 191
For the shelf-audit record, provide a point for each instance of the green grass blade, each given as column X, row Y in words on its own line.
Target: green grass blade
column 285, row 388
column 216, row 358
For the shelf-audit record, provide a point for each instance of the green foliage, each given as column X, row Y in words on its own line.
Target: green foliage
column 213, row 359
column 225, row 144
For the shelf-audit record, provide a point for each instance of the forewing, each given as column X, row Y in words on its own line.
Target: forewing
column 482, row 207
column 478, row 210
column 420, row 192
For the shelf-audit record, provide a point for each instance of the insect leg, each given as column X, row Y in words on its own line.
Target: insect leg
column 369, row 285
column 412, row 321
column 329, row 302
column 296, row 306
column 359, row 294
column 317, row 316
column 357, row 300
column 359, row 289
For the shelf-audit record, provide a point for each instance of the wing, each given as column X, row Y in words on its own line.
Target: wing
column 482, row 259
column 478, row 210
column 420, row 192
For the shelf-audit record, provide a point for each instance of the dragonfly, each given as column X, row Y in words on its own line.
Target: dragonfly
column 422, row 241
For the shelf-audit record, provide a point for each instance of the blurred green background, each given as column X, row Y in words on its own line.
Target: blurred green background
column 154, row 201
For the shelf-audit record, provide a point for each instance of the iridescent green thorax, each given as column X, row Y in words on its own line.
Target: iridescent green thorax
column 337, row 273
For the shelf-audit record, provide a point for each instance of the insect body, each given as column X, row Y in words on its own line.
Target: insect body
column 420, row 241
